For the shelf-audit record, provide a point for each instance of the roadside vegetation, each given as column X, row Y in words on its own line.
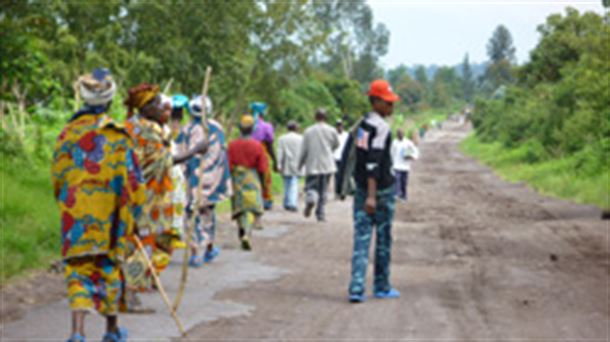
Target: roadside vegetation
column 548, row 121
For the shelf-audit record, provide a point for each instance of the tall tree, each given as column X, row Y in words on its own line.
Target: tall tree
column 468, row 82
column 500, row 45
column 354, row 43
column 501, row 53
column 421, row 76
column 563, row 40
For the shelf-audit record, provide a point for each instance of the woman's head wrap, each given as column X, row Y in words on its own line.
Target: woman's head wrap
column 180, row 101
column 97, row 88
column 246, row 121
column 196, row 106
column 140, row 95
column 258, row 108
column 166, row 100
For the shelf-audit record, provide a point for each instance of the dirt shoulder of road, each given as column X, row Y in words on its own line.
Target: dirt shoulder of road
column 27, row 292
column 474, row 257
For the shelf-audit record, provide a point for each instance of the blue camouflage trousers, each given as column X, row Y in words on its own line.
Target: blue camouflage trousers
column 363, row 230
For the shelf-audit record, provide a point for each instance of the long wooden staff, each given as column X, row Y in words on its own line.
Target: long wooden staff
column 195, row 209
column 168, row 86
column 76, row 95
column 159, row 285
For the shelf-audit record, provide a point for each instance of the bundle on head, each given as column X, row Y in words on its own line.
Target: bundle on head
column 97, row 88
column 258, row 108
column 139, row 96
column 195, row 107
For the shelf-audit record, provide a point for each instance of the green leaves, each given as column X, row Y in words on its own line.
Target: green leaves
column 560, row 108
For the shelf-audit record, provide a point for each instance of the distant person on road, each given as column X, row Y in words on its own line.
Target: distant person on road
column 403, row 152
column 264, row 133
column 374, row 196
column 248, row 163
column 338, row 153
column 414, row 137
column 288, row 149
column 319, row 142
column 99, row 189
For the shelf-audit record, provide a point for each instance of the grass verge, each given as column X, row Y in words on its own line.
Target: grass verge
column 30, row 221
column 30, row 235
column 555, row 177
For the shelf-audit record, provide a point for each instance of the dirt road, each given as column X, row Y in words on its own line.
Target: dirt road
column 475, row 258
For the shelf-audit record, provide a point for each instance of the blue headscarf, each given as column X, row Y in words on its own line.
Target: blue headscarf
column 181, row 101
column 258, row 109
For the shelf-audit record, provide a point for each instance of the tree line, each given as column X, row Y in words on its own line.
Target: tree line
column 294, row 55
column 557, row 104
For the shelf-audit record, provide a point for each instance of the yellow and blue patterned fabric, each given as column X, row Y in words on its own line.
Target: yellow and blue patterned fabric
column 247, row 195
column 94, row 283
column 98, row 186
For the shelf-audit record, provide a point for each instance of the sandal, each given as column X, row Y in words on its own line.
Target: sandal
column 392, row 293
column 118, row 336
column 245, row 244
column 211, row 255
column 195, row 261
column 76, row 338
column 357, row 298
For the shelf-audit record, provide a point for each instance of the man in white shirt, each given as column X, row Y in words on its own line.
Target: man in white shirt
column 319, row 142
column 403, row 152
column 288, row 149
column 337, row 154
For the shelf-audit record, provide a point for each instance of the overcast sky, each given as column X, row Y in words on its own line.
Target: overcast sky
column 441, row 32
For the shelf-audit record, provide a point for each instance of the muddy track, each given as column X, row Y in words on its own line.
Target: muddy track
column 474, row 257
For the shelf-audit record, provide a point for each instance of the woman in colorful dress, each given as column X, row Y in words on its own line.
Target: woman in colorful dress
column 248, row 163
column 153, row 150
column 98, row 186
column 210, row 176
column 264, row 133
column 180, row 103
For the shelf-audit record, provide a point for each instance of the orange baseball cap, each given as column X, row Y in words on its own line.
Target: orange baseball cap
column 382, row 90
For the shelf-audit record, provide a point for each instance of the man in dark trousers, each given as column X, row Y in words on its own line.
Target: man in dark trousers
column 374, row 195
column 316, row 157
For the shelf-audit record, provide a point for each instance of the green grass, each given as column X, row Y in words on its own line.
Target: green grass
column 30, row 236
column 555, row 177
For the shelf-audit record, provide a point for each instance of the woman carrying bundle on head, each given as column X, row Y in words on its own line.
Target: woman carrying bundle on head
column 152, row 147
column 208, row 174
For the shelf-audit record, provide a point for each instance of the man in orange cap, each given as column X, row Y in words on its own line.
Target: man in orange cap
column 374, row 196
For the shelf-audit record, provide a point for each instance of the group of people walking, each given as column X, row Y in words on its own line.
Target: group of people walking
column 129, row 192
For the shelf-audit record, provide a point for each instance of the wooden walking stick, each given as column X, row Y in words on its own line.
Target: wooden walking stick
column 168, row 86
column 159, row 285
column 195, row 209
column 76, row 88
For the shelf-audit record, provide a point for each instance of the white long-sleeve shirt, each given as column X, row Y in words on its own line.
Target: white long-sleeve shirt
column 338, row 153
column 401, row 150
